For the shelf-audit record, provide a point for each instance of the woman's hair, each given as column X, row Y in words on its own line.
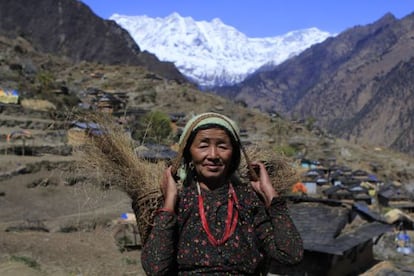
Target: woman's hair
column 236, row 154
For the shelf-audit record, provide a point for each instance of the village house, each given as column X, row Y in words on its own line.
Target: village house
column 109, row 103
column 360, row 175
column 9, row 96
column 155, row 152
column 79, row 132
column 393, row 196
column 338, row 238
column 103, row 101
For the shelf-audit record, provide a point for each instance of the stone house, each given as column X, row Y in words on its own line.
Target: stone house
column 338, row 238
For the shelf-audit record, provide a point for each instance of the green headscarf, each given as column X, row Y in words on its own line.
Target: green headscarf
column 196, row 122
column 209, row 118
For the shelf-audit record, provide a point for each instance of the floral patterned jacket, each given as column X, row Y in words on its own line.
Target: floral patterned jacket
column 178, row 244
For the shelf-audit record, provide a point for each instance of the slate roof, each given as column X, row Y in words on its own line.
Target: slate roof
column 363, row 210
column 392, row 193
column 155, row 152
column 345, row 242
column 85, row 125
column 353, row 191
column 320, row 223
column 332, row 190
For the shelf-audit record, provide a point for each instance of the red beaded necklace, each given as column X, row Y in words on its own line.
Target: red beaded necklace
column 230, row 223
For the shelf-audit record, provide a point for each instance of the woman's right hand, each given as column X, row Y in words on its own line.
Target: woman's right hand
column 169, row 190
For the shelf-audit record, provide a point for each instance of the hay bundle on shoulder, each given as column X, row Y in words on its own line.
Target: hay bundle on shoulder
column 280, row 168
column 111, row 150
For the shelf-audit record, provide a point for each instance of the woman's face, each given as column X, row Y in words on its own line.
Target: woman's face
column 211, row 153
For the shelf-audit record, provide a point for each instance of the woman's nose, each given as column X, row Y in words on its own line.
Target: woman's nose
column 212, row 152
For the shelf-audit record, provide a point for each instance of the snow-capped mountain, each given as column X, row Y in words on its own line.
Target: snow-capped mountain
column 212, row 53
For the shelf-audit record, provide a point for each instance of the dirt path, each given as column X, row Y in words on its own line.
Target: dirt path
column 77, row 253
column 49, row 227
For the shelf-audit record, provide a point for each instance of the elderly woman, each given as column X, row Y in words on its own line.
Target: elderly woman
column 217, row 224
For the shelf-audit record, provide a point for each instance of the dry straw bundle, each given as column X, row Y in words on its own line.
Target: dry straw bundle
column 110, row 150
column 281, row 171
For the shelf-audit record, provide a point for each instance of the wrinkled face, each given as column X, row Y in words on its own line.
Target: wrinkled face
column 211, row 153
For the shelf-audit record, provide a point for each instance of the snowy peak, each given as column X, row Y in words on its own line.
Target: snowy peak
column 212, row 53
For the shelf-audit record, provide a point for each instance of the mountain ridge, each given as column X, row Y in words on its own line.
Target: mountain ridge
column 212, row 53
column 70, row 28
column 341, row 84
column 339, row 81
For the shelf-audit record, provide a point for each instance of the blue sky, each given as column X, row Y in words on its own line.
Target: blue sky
column 262, row 18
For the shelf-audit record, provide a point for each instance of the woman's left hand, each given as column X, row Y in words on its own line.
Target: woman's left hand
column 263, row 185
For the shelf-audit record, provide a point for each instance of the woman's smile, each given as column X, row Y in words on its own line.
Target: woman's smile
column 213, row 167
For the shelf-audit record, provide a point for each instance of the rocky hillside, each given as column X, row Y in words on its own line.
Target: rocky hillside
column 70, row 28
column 358, row 85
column 65, row 84
column 55, row 220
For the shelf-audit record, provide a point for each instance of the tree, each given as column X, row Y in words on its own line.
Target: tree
column 154, row 126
